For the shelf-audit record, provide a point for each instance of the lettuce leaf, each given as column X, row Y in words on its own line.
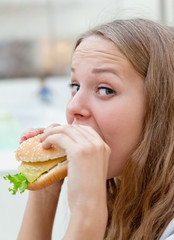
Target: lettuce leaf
column 19, row 181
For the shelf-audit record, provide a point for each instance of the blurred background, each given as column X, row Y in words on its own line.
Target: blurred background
column 36, row 44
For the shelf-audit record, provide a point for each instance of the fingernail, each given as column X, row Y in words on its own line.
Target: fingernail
column 24, row 138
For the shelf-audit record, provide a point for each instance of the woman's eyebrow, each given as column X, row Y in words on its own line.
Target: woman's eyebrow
column 104, row 70
column 100, row 70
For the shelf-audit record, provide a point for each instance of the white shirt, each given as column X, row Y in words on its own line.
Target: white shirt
column 169, row 232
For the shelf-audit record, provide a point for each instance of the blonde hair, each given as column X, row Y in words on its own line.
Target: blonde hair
column 142, row 204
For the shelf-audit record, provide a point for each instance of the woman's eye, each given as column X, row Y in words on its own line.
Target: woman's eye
column 105, row 91
column 74, row 87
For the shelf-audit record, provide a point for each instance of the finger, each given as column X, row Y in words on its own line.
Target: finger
column 94, row 136
column 75, row 133
column 79, row 137
column 88, row 131
column 88, row 135
column 51, row 126
column 52, row 129
column 60, row 140
column 24, row 138
column 30, row 132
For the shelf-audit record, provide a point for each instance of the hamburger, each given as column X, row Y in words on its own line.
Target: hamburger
column 39, row 167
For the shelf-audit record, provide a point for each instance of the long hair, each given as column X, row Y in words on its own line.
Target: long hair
column 141, row 205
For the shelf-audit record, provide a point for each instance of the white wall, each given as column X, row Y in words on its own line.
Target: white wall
column 68, row 19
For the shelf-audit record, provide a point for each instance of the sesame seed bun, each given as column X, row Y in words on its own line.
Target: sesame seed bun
column 32, row 151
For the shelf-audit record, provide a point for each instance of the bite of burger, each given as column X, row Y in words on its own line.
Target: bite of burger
column 39, row 167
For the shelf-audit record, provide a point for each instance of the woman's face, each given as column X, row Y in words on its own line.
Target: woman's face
column 108, row 95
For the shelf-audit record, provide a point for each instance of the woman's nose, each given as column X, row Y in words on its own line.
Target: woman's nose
column 78, row 106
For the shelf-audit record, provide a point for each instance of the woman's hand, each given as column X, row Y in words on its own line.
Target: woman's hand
column 32, row 132
column 88, row 157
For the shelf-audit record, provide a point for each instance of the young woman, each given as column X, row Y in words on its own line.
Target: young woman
column 119, row 139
